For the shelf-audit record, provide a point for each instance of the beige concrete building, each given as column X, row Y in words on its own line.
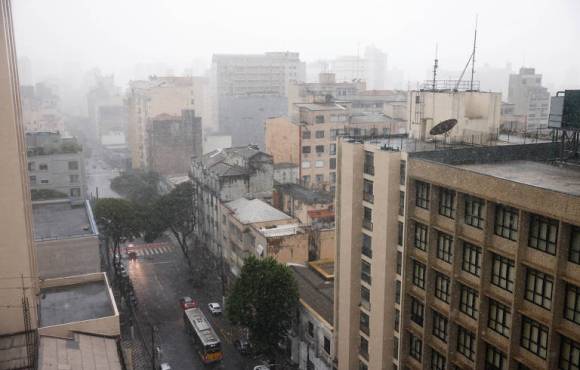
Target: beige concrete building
column 253, row 227
column 148, row 99
column 478, row 115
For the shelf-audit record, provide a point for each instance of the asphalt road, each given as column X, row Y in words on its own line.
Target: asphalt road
column 159, row 281
column 99, row 175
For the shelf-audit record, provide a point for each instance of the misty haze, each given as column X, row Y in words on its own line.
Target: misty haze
column 289, row 185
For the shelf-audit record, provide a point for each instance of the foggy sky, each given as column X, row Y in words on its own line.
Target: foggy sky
column 70, row 36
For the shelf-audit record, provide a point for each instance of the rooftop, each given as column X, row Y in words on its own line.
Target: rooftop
column 285, row 165
column 537, row 174
column 219, row 163
column 320, row 107
column 60, row 219
column 83, row 351
column 280, row 230
column 255, row 210
column 304, row 194
column 315, row 291
column 72, row 303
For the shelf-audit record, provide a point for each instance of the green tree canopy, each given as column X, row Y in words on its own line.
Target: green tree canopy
column 264, row 299
column 140, row 187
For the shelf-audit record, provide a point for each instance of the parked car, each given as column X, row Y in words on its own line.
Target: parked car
column 164, row 366
column 215, row 308
column 243, row 346
column 261, row 367
column 187, row 303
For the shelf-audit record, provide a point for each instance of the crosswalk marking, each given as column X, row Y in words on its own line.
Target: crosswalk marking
column 152, row 249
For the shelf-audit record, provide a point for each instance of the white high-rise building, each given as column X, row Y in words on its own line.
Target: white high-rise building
column 530, row 98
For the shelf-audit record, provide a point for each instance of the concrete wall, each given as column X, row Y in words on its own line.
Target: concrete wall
column 58, row 173
column 327, row 244
column 306, row 347
column 66, row 257
column 282, row 140
column 16, row 245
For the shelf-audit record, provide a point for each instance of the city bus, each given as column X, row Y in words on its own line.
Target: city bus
column 207, row 343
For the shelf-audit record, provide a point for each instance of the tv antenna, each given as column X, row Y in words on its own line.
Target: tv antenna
column 470, row 60
column 435, row 65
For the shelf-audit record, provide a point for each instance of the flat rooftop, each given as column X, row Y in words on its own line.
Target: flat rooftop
column 563, row 179
column 315, row 291
column 306, row 195
column 280, row 230
column 249, row 211
column 59, row 220
column 83, row 351
column 72, row 303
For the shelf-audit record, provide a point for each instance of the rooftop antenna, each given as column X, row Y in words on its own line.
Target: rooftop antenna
column 435, row 65
column 473, row 55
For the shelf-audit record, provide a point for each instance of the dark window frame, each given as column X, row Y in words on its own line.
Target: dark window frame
column 440, row 326
column 418, row 276
column 503, row 266
column 447, row 202
column 499, row 318
column 569, row 354
column 574, row 247
column 443, row 290
column 471, row 258
column 417, row 314
column 415, row 347
column 469, row 301
column 541, row 291
column 422, row 194
column 537, row 342
column 506, row 223
column 543, row 234
column 444, row 247
column 465, row 343
column 572, row 303
column 421, row 236
column 474, row 211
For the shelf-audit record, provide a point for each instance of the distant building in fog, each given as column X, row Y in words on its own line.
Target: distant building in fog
column 250, row 88
column 531, row 99
column 173, row 141
column 41, row 109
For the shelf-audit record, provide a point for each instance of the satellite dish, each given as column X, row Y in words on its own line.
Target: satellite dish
column 443, row 127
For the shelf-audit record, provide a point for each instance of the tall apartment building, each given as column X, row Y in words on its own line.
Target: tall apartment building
column 311, row 139
column 148, row 99
column 531, row 99
column 55, row 164
column 173, row 141
column 478, row 114
column 41, row 109
column 371, row 68
column 249, row 88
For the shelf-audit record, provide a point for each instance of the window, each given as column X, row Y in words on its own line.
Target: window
column 438, row 361
column 306, row 149
column 465, row 343
column 367, row 218
column 399, row 262
column 499, row 318
column 319, row 179
column 468, row 301
column 369, row 163
column 333, row 134
column 306, row 179
column 73, row 179
column 471, row 258
column 402, row 172
column 31, row 166
column 319, row 148
column 332, row 163
column 474, row 211
column 444, row 247
column 367, row 248
column 539, row 288
column 319, row 119
column 572, row 306
column 43, row 167
column 362, row 366
column 440, row 324
column 305, row 164
column 365, row 272
column 398, row 291
column 310, row 328
column 73, row 165
column 365, row 296
column 319, row 134
column 442, row 287
column 495, row 359
column 400, row 233
column 32, row 180
column 397, row 320
column 574, row 250
column 534, row 337
column 422, row 194
column 415, row 347
column 364, row 348
column 326, row 345
column 569, row 354
column 368, row 194
column 543, row 234
column 44, row 181
column 332, row 177
column 401, row 203
column 395, row 350
column 332, row 149
column 506, row 222
column 419, row 274
column 502, row 272
column 420, row 236
column 305, row 134
column 447, row 202
column 318, row 164
column 417, row 311
column 364, row 323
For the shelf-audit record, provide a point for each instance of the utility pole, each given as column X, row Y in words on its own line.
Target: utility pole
column 473, row 56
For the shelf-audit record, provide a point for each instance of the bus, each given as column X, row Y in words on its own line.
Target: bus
column 208, row 344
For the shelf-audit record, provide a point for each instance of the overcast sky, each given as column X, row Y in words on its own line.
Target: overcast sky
column 116, row 34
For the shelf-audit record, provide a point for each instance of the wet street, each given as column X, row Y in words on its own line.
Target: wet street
column 160, row 278
column 99, row 174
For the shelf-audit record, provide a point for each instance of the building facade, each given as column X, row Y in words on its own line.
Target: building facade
column 55, row 164
column 530, row 98
column 173, row 142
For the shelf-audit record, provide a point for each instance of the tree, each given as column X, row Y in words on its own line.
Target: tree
column 138, row 186
column 118, row 220
column 264, row 299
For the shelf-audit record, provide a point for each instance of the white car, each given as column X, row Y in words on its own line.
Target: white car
column 215, row 308
column 261, row 367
